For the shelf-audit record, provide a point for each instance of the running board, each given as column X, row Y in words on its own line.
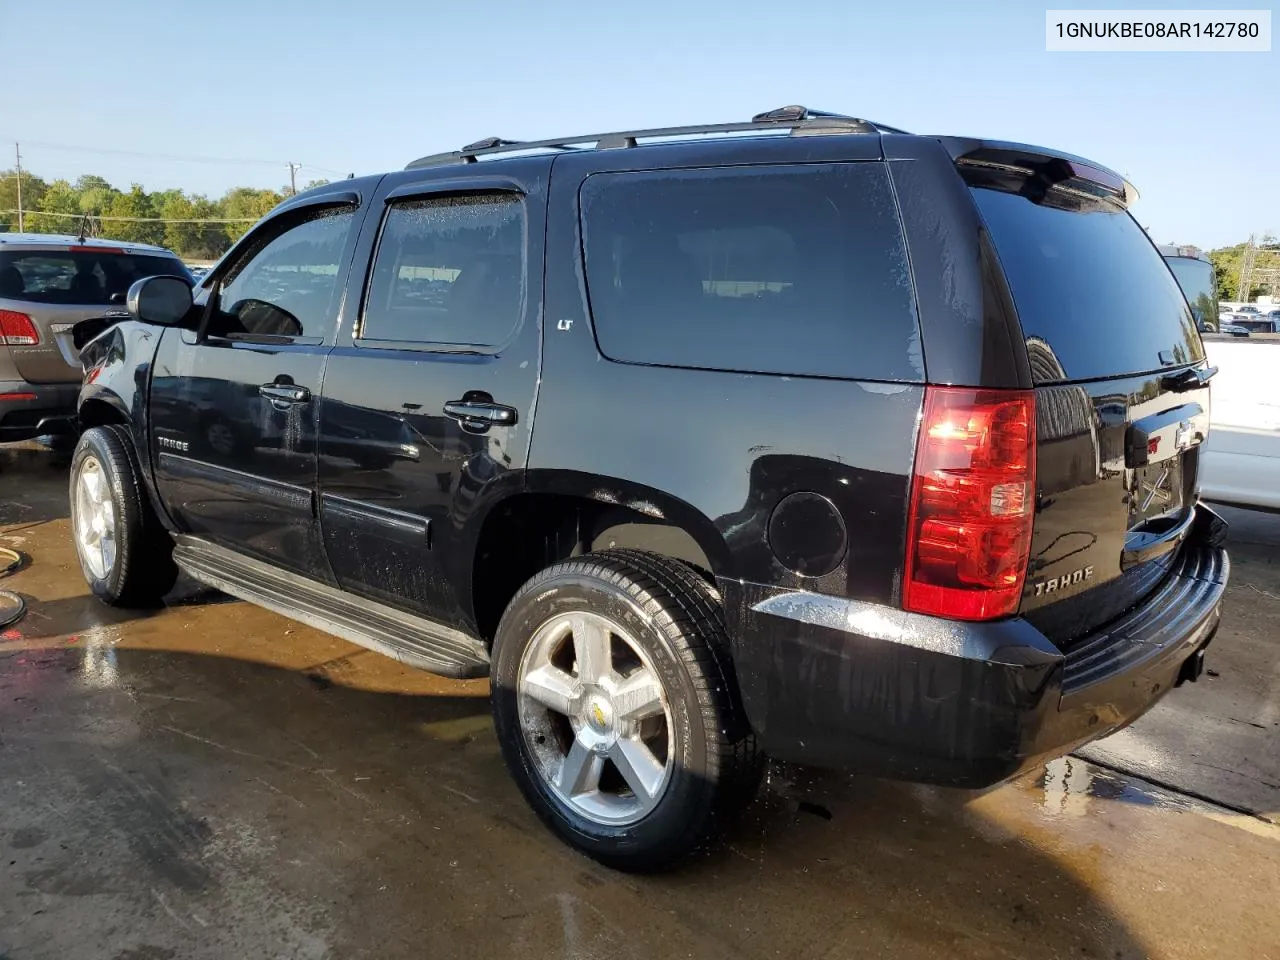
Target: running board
column 410, row 639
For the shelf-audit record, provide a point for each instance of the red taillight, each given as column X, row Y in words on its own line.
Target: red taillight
column 17, row 329
column 972, row 503
column 17, row 396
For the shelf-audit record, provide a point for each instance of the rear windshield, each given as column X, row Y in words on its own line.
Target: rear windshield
column 83, row 278
column 1094, row 296
column 1195, row 277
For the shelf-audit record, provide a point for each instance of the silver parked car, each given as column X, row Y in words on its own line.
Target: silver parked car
column 47, row 285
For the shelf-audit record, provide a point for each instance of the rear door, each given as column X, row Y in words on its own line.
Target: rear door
column 55, row 287
column 428, row 396
column 1121, row 396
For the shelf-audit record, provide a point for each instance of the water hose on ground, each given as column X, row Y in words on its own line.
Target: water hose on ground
column 12, row 606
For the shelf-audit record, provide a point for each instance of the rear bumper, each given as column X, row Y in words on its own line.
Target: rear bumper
column 841, row 683
column 46, row 408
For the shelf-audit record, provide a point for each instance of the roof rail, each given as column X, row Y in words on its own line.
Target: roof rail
column 800, row 121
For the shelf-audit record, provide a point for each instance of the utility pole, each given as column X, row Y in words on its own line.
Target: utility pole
column 1246, row 269
column 293, row 178
column 17, row 153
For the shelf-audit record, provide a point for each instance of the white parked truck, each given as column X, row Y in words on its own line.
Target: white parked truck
column 1242, row 455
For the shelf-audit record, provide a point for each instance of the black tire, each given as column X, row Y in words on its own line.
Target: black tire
column 675, row 616
column 748, row 768
column 143, row 570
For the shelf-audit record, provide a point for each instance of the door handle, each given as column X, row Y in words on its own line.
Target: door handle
column 477, row 412
column 284, row 393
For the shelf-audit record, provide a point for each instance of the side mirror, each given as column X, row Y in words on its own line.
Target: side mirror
column 266, row 319
column 162, row 301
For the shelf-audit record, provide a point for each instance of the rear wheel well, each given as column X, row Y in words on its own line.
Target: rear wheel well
column 531, row 531
column 99, row 413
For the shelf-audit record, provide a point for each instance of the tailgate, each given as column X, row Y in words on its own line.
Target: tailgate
column 1122, row 401
column 54, row 359
column 1117, row 474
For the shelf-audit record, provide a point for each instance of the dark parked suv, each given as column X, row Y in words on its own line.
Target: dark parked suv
column 802, row 437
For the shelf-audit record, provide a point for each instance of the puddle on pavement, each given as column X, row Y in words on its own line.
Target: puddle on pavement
column 1068, row 786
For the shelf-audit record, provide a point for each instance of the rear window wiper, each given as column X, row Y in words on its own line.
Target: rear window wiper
column 1188, row 379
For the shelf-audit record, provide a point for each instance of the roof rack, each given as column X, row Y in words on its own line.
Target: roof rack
column 799, row 121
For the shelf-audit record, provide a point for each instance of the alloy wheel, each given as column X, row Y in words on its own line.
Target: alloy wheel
column 95, row 518
column 595, row 718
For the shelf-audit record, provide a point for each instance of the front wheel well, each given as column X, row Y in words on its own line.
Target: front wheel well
column 531, row 531
column 99, row 413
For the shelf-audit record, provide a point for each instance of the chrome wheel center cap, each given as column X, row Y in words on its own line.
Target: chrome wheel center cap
column 599, row 714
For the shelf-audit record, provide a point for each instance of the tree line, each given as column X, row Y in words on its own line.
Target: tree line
column 1226, row 266
column 65, row 206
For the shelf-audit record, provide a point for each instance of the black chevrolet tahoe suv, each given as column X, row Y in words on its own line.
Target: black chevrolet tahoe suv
column 801, row 437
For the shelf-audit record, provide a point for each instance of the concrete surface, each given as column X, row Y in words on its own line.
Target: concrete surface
column 1219, row 738
column 211, row 780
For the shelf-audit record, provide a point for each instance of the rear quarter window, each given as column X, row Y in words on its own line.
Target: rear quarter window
column 1093, row 294
column 796, row 269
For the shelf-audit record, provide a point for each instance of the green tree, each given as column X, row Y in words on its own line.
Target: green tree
column 1226, row 267
column 199, row 241
column 33, row 189
column 160, row 197
column 91, row 181
column 135, row 205
column 96, row 195
column 246, row 205
column 62, row 198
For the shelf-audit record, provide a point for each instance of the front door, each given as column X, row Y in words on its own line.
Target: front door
column 234, row 408
column 429, row 393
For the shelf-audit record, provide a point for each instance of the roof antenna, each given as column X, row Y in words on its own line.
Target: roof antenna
column 84, row 227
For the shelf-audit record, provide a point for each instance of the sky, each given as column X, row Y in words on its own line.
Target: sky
column 136, row 87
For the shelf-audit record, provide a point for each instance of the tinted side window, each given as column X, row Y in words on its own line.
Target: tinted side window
column 448, row 270
column 286, row 286
column 771, row 269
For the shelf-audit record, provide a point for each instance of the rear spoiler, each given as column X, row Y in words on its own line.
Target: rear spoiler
column 1038, row 170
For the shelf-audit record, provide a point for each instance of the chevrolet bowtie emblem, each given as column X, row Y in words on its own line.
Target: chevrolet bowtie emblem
column 1185, row 436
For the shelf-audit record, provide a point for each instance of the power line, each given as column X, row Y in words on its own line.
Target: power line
column 183, row 158
column 180, row 158
column 94, row 216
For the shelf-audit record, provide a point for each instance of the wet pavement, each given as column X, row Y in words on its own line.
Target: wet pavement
column 212, row 780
